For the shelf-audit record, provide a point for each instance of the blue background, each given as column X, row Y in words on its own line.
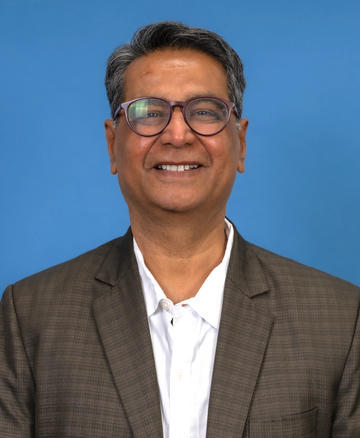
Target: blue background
column 300, row 195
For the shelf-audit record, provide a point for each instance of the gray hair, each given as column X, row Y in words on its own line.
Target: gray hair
column 171, row 34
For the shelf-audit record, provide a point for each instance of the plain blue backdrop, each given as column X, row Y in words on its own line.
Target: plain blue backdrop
column 300, row 195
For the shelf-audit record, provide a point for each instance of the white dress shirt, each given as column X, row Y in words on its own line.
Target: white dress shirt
column 184, row 341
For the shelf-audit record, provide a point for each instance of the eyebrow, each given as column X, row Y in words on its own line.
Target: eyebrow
column 195, row 96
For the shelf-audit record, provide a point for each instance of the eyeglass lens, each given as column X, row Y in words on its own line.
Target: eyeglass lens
column 205, row 116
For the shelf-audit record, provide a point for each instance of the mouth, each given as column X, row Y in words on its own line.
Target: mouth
column 177, row 167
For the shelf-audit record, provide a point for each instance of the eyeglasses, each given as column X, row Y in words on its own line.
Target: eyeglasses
column 148, row 116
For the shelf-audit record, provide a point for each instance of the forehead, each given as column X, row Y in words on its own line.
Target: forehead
column 176, row 74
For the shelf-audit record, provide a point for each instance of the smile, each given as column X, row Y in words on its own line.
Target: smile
column 177, row 168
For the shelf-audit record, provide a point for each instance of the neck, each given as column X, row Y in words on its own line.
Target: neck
column 179, row 251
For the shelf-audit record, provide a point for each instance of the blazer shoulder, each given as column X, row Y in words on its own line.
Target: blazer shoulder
column 82, row 262
column 294, row 275
column 75, row 274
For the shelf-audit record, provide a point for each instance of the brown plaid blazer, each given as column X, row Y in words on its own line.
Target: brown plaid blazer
column 76, row 359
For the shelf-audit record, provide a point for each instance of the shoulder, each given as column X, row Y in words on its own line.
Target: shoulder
column 80, row 267
column 296, row 281
column 293, row 271
column 312, row 306
column 74, row 278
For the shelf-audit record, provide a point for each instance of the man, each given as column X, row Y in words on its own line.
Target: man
column 180, row 328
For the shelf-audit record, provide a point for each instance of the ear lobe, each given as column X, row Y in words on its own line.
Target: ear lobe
column 243, row 125
column 110, row 139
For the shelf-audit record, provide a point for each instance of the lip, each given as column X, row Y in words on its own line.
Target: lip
column 185, row 173
column 177, row 163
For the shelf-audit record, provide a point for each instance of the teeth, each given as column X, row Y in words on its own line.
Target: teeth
column 179, row 168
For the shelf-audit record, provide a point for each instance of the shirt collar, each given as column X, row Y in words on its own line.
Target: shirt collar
column 208, row 300
column 152, row 291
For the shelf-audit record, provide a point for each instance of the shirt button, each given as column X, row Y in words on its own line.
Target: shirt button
column 165, row 305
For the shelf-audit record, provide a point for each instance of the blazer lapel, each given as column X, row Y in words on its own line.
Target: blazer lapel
column 244, row 332
column 121, row 319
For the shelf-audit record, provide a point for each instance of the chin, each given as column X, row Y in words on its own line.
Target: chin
column 175, row 201
column 177, row 206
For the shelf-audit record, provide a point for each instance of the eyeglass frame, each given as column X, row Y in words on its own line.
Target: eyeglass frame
column 172, row 104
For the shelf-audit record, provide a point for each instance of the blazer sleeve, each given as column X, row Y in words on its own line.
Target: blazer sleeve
column 347, row 416
column 17, row 387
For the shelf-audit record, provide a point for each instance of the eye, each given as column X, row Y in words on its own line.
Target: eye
column 150, row 117
column 152, row 114
column 205, row 114
column 147, row 112
column 206, row 110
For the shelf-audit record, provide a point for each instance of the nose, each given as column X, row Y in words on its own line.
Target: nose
column 177, row 133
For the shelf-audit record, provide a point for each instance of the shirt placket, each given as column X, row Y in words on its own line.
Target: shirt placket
column 182, row 399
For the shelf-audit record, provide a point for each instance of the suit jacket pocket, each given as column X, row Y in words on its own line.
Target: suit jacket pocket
column 301, row 425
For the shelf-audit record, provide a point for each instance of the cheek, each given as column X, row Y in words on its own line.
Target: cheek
column 132, row 150
column 225, row 152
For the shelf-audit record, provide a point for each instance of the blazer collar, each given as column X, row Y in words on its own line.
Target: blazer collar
column 244, row 333
column 121, row 320
column 244, row 268
column 245, row 271
column 118, row 260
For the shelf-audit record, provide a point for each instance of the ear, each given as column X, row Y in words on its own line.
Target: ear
column 243, row 125
column 110, row 139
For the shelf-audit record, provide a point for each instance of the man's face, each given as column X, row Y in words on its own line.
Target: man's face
column 176, row 75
